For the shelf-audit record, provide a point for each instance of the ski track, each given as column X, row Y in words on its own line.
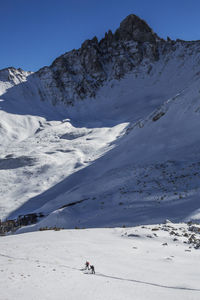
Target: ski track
column 104, row 275
column 149, row 283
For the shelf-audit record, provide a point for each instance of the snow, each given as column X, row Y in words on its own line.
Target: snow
column 47, row 264
column 107, row 154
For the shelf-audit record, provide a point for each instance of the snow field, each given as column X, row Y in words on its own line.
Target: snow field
column 46, row 265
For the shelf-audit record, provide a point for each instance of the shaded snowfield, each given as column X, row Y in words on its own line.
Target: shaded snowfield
column 131, row 263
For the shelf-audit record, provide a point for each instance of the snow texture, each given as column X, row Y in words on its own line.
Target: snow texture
column 131, row 263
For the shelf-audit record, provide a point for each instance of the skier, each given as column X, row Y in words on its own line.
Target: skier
column 87, row 265
column 92, row 269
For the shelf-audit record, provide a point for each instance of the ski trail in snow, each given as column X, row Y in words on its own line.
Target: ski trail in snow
column 39, row 261
column 106, row 276
column 148, row 283
column 11, row 257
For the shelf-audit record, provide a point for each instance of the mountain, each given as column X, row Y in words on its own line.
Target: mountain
column 105, row 136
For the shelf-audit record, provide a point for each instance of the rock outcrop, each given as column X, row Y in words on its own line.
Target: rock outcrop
column 133, row 28
column 79, row 73
column 14, row 76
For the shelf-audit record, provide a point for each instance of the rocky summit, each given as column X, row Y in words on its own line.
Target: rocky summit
column 80, row 73
column 133, row 28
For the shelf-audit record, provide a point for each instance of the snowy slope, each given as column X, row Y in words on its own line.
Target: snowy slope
column 128, row 155
column 152, row 262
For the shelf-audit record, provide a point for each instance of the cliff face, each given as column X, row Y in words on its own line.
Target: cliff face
column 79, row 73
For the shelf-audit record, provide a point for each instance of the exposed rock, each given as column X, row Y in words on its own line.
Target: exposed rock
column 133, row 28
column 158, row 116
column 164, row 244
column 149, row 236
column 80, row 73
column 172, row 232
column 14, row 76
column 133, row 235
column 23, row 220
column 194, row 229
column 155, row 229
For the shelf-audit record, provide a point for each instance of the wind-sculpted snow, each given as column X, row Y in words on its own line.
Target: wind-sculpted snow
column 105, row 136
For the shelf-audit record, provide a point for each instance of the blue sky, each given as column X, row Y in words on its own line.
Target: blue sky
column 35, row 32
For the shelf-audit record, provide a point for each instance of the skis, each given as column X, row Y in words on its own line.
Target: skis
column 88, row 273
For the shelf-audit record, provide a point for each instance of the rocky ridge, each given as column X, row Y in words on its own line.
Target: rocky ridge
column 79, row 73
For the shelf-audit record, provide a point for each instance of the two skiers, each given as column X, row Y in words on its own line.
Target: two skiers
column 89, row 267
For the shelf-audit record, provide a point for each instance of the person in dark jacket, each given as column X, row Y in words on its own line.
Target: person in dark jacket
column 92, row 269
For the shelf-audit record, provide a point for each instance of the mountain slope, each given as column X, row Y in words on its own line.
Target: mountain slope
column 105, row 136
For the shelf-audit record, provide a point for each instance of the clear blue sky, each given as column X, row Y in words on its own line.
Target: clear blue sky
column 34, row 32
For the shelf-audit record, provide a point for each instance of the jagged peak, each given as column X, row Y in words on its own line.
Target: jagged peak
column 134, row 28
column 93, row 41
column 131, row 28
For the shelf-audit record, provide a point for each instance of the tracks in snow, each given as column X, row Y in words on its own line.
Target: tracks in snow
column 104, row 275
